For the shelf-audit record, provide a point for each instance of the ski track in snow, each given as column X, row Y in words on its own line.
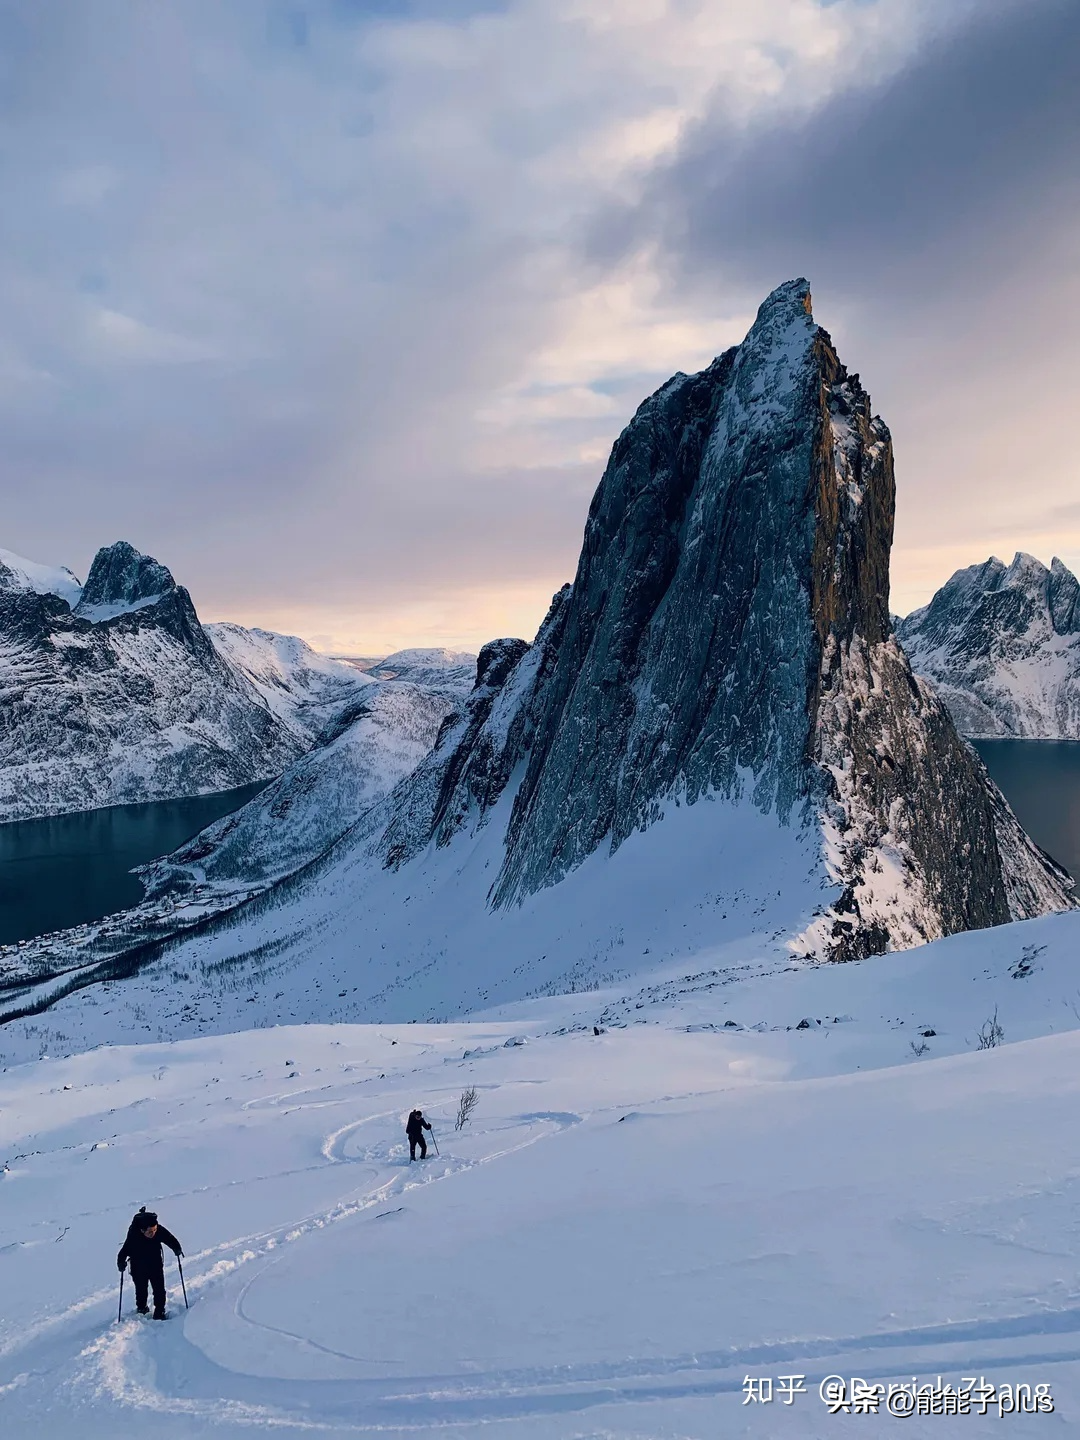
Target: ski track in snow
column 316, row 1158
column 120, row 1363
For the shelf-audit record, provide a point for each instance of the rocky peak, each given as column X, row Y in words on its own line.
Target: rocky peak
column 1001, row 643
column 121, row 578
column 988, row 606
column 728, row 634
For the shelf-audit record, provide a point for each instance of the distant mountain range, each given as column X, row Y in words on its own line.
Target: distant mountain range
column 113, row 692
column 1001, row 645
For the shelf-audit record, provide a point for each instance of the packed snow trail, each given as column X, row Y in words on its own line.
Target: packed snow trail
column 630, row 1225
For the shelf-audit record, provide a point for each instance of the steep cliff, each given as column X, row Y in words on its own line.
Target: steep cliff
column 728, row 633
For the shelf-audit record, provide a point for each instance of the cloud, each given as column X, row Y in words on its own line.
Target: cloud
column 125, row 338
column 937, row 212
column 327, row 297
column 933, row 171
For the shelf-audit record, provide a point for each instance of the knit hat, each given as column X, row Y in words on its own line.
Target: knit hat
column 144, row 1219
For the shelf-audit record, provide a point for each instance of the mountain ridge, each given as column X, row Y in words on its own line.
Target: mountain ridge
column 114, row 692
column 1001, row 645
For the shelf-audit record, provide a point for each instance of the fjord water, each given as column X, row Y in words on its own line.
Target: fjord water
column 1041, row 781
column 68, row 869
column 72, row 868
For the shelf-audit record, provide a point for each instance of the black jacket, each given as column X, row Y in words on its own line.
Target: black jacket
column 145, row 1254
column 416, row 1124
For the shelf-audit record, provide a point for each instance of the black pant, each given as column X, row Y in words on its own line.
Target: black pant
column 155, row 1278
column 415, row 1140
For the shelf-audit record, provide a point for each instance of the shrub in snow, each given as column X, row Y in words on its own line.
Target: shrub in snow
column 466, row 1105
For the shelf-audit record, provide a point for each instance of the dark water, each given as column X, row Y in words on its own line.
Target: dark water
column 1041, row 781
column 70, row 868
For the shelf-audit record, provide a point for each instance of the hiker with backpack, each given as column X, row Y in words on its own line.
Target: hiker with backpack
column 142, row 1250
column 414, row 1129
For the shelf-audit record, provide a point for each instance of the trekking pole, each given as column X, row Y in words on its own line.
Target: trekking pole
column 120, row 1306
column 183, row 1287
column 435, row 1143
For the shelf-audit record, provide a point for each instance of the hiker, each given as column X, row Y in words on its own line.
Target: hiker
column 415, row 1131
column 142, row 1247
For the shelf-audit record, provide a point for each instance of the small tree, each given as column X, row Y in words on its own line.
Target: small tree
column 466, row 1105
column 991, row 1033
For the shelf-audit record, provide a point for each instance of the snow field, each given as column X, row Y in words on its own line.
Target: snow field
column 630, row 1224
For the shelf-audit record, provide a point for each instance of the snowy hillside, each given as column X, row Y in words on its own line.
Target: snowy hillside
column 1001, row 645
column 112, row 693
column 631, row 1225
column 308, row 692
column 384, row 736
column 427, row 667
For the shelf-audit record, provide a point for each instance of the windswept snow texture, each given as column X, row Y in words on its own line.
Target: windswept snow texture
column 1001, row 645
column 810, row 1173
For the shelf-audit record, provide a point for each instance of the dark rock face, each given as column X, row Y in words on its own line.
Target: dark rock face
column 120, row 576
column 728, row 632
column 122, row 698
column 466, row 770
column 1001, row 644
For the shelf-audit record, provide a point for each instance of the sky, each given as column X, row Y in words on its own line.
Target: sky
column 337, row 306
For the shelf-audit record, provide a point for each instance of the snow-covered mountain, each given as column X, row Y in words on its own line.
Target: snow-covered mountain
column 19, row 574
column 728, row 635
column 382, row 738
column 1001, row 644
column 308, row 692
column 435, row 667
column 113, row 692
column 714, row 754
column 375, row 741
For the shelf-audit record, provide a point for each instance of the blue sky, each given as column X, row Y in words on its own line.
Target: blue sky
column 336, row 307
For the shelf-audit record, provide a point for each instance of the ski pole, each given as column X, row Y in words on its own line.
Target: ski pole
column 182, row 1285
column 435, row 1143
column 120, row 1306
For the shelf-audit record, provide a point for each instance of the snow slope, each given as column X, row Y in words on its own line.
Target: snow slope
column 19, row 574
column 432, row 666
column 1001, row 645
column 308, row 692
column 385, row 734
column 631, row 1225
